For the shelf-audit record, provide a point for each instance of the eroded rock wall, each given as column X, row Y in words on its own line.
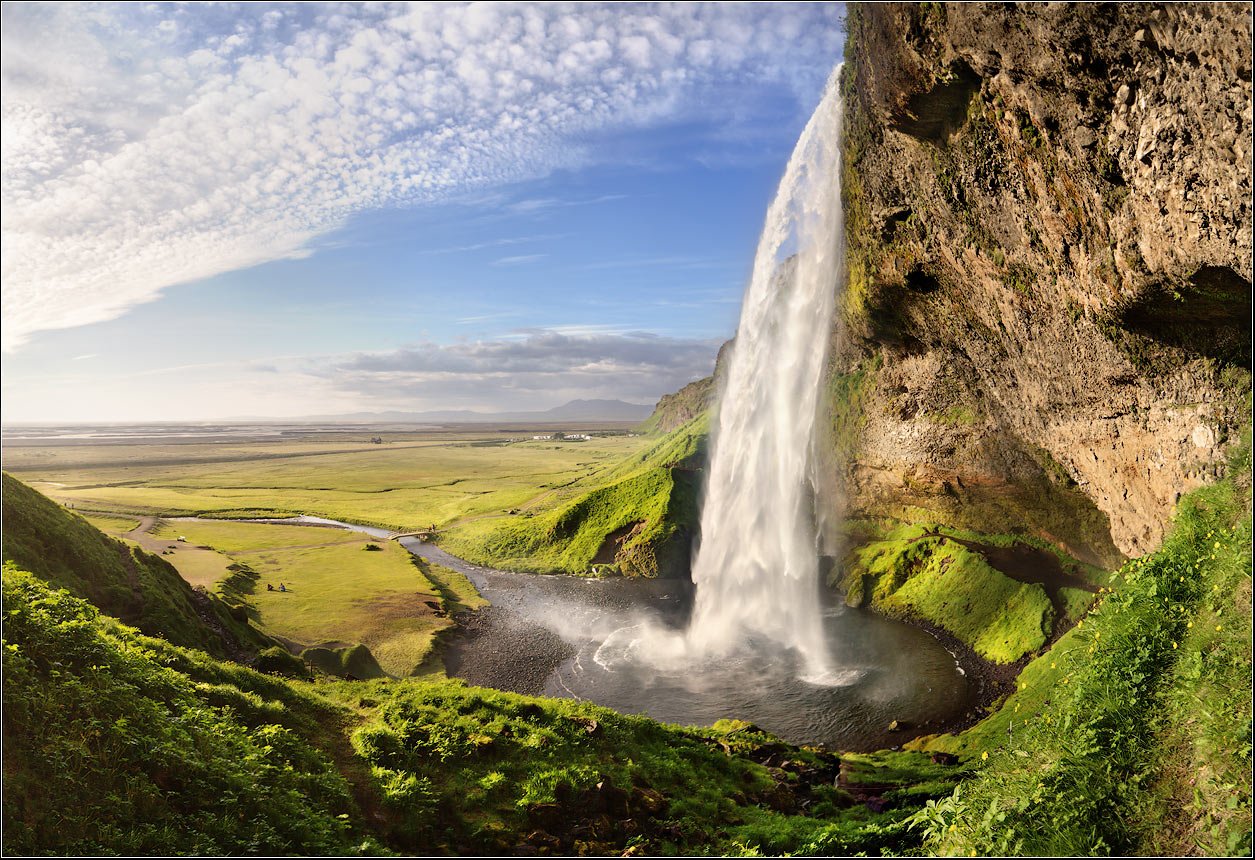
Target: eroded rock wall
column 1049, row 224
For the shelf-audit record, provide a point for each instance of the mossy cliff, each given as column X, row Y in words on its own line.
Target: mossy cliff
column 1049, row 249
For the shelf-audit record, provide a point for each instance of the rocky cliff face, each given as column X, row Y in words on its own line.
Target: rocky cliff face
column 1049, row 229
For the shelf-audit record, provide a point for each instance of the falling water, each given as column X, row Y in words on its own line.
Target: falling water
column 756, row 572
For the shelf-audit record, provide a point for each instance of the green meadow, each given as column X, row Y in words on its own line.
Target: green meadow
column 413, row 482
column 336, row 593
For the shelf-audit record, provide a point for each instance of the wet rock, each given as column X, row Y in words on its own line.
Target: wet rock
column 647, row 801
column 547, row 816
column 944, row 758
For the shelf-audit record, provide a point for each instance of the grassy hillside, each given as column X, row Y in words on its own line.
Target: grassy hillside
column 120, row 743
column 139, row 588
column 637, row 520
column 951, row 579
column 117, row 743
column 1132, row 735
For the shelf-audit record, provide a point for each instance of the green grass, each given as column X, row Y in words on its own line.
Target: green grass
column 652, row 493
column 470, row 770
column 244, row 538
column 108, row 751
column 336, row 593
column 947, row 584
column 1132, row 734
column 402, row 485
column 141, row 589
column 111, row 525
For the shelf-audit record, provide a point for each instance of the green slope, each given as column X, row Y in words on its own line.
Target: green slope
column 116, row 742
column 137, row 587
column 639, row 521
column 1132, row 735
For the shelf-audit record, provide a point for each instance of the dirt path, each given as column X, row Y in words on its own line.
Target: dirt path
column 196, row 565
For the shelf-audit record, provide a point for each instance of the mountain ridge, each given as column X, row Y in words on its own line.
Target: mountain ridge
column 572, row 410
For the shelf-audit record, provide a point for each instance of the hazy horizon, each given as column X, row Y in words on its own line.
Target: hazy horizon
column 294, row 209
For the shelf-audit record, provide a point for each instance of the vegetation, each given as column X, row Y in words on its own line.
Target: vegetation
column 411, row 482
column 334, row 595
column 1133, row 734
column 648, row 502
column 64, row 550
column 933, row 573
column 108, row 749
column 120, row 743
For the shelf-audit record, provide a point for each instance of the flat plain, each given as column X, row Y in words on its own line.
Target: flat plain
column 410, row 480
column 337, row 594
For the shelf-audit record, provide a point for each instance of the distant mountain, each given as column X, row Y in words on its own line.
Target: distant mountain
column 576, row 410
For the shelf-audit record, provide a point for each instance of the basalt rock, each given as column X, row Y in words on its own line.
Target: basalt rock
column 1049, row 232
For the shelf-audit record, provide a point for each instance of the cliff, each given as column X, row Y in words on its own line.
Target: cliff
column 1049, row 247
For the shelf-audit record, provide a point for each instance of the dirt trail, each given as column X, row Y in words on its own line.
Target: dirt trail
column 196, row 565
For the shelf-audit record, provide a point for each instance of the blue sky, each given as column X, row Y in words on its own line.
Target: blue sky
column 216, row 211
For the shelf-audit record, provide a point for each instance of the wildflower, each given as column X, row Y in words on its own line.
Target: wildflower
column 1081, row 623
column 984, row 756
column 1052, row 664
column 1218, row 626
column 1190, row 624
column 1174, row 646
column 1216, row 545
column 953, row 827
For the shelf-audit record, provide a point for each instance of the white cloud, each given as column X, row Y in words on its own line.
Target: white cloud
column 518, row 259
column 151, row 144
column 540, row 367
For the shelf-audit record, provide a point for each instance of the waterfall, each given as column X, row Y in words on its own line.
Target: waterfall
column 756, row 571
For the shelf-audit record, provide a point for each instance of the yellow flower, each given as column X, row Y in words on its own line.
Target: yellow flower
column 1218, row 626
column 1190, row 624
column 953, row 827
column 1174, row 646
column 1081, row 623
column 984, row 756
column 1217, row 545
column 1052, row 664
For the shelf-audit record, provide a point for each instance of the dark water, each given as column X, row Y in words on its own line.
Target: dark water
column 587, row 638
column 882, row 670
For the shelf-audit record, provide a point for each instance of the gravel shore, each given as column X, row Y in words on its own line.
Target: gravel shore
column 497, row 648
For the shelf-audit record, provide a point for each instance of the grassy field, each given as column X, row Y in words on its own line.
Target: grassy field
column 921, row 571
column 337, row 593
column 112, row 525
column 403, row 484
